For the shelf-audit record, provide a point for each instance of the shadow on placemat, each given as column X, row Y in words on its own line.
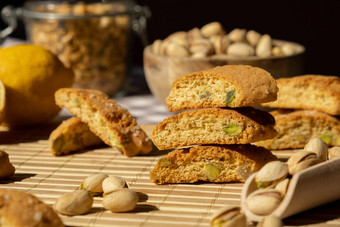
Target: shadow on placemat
column 17, row 177
column 321, row 214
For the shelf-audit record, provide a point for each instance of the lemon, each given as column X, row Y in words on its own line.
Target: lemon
column 31, row 75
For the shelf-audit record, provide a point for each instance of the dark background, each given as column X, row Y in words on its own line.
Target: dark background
column 314, row 23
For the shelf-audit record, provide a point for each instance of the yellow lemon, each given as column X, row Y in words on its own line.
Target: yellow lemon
column 31, row 75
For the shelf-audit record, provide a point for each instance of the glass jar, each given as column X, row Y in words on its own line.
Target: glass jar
column 93, row 38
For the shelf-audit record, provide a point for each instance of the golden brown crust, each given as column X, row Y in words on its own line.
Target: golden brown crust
column 209, row 88
column 297, row 127
column 19, row 208
column 212, row 126
column 6, row 167
column 109, row 121
column 233, row 162
column 315, row 92
column 72, row 135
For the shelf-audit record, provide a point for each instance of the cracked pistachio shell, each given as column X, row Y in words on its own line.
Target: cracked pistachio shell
column 333, row 153
column 228, row 217
column 319, row 147
column 93, row 183
column 113, row 183
column 121, row 200
column 282, row 186
column 271, row 173
column 270, row 221
column 263, row 202
column 74, row 203
column 301, row 160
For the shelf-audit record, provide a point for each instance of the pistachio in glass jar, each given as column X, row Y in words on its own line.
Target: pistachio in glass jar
column 92, row 38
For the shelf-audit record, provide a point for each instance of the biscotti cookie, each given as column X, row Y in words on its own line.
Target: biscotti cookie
column 6, row 167
column 108, row 120
column 214, row 126
column 315, row 92
column 230, row 85
column 18, row 208
column 212, row 163
column 72, row 135
column 296, row 128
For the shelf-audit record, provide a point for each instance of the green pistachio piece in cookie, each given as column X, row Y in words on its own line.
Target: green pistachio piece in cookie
column 232, row 129
column 164, row 162
column 211, row 171
column 230, row 98
column 204, row 94
column 326, row 138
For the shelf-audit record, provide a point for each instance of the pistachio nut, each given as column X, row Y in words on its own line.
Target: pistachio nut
column 327, row 138
column 276, row 51
column 301, row 160
column 74, row 203
column 271, row 173
column 334, row 153
column 253, row 37
column 264, row 201
column 270, row 221
column 211, row 29
column 113, row 183
column 237, row 35
column 232, row 129
column 319, row 147
column 240, row 49
column 288, row 49
column 211, row 171
column 121, row 200
column 282, row 186
column 93, row 183
column 156, row 47
column 203, row 46
column 220, row 43
column 228, row 217
column 194, row 34
column 179, row 37
column 6, row 167
column 175, row 49
column 264, row 46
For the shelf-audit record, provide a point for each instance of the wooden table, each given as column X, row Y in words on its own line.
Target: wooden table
column 48, row 177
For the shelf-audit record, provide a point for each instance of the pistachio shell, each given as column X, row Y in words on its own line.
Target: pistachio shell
column 271, row 173
column 121, row 200
column 93, row 183
column 240, row 50
column 237, row 35
column 228, row 217
column 282, row 186
column 319, row 147
column 301, row 160
column 264, row 46
column 74, row 203
column 334, row 153
column 253, row 37
column 263, row 202
column 211, row 29
column 113, row 183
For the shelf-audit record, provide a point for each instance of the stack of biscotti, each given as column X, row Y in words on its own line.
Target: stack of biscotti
column 308, row 106
column 99, row 119
column 212, row 134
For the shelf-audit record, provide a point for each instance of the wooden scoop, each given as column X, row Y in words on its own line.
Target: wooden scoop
column 308, row 188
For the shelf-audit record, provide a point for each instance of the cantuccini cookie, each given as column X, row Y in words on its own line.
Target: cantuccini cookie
column 72, row 135
column 18, row 208
column 297, row 127
column 108, row 120
column 214, row 126
column 212, row 163
column 315, row 92
column 224, row 86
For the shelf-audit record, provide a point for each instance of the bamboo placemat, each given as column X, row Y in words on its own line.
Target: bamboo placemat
column 48, row 177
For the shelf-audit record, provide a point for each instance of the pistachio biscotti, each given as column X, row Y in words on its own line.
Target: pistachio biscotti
column 108, row 120
column 72, row 135
column 224, row 86
column 212, row 163
column 214, row 126
column 297, row 127
column 315, row 92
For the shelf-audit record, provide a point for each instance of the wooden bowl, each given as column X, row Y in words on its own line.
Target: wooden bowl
column 162, row 71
